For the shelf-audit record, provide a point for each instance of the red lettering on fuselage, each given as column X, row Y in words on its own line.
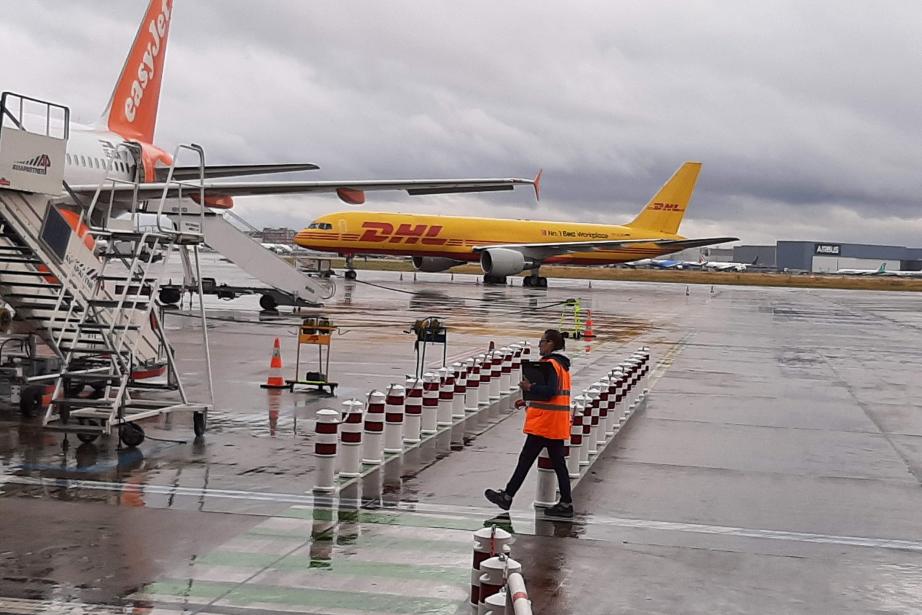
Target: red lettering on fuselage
column 379, row 232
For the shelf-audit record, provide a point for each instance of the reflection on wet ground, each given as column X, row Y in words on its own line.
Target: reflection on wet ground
column 776, row 468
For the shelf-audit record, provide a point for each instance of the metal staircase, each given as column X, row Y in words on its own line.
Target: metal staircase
column 86, row 280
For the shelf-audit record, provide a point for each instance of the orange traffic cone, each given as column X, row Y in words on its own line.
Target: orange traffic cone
column 588, row 334
column 275, row 380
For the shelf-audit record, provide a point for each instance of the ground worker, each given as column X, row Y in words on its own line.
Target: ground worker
column 547, row 425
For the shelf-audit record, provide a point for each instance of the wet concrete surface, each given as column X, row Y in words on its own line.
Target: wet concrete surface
column 775, row 467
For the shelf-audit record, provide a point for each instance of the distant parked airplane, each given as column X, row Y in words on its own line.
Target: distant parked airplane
column 728, row 266
column 882, row 270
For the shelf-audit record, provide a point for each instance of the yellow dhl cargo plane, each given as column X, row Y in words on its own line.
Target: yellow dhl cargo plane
column 509, row 247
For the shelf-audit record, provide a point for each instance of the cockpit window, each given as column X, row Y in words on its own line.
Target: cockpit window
column 323, row 226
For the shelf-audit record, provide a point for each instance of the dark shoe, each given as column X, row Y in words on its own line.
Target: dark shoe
column 560, row 509
column 500, row 498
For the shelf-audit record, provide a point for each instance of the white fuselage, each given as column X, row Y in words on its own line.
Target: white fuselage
column 93, row 154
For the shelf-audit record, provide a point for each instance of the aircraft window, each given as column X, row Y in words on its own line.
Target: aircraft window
column 82, row 161
column 323, row 226
column 68, row 158
column 96, row 162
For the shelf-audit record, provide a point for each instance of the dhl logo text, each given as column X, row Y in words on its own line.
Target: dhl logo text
column 666, row 207
column 405, row 233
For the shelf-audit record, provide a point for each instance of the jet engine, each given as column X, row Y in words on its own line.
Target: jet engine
column 501, row 262
column 433, row 264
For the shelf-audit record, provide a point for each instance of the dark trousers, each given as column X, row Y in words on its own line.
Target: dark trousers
column 530, row 451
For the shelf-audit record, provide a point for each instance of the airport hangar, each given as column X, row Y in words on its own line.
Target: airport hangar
column 822, row 256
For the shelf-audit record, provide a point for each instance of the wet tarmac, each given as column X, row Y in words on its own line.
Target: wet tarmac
column 775, row 467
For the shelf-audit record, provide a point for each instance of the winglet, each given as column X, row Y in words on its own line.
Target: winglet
column 537, row 184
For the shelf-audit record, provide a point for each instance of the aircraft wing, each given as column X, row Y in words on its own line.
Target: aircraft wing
column 352, row 192
column 233, row 170
column 547, row 250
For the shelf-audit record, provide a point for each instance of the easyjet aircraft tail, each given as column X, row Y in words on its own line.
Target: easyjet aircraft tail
column 132, row 109
column 664, row 212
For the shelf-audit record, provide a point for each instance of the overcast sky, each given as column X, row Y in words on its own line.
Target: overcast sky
column 805, row 114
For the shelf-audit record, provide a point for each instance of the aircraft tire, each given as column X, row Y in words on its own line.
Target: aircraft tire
column 542, row 282
column 170, row 296
column 350, row 275
column 268, row 303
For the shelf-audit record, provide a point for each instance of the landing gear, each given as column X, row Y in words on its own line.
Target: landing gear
column 268, row 303
column 494, row 279
column 350, row 267
column 534, row 281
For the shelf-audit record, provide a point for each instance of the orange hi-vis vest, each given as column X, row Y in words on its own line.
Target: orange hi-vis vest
column 551, row 419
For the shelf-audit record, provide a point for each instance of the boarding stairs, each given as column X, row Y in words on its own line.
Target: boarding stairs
column 94, row 304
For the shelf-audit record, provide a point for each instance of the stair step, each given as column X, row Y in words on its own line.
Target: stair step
column 94, row 378
column 131, row 302
column 72, row 402
column 31, row 260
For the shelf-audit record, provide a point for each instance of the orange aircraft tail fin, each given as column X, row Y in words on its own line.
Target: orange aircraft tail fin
column 664, row 212
column 132, row 109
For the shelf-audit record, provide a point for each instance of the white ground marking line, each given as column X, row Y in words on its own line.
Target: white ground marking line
column 467, row 512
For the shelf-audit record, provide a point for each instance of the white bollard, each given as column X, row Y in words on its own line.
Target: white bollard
column 494, row 605
column 430, row 403
column 505, row 374
column 393, row 419
column 486, row 370
column 350, row 439
column 374, row 429
column 517, row 595
column 493, row 573
column 457, row 402
column 596, row 391
column 576, row 442
column 516, row 377
column 472, row 397
column 546, row 493
column 496, row 374
column 325, row 449
column 603, row 411
column 413, row 410
column 446, row 397
column 488, row 541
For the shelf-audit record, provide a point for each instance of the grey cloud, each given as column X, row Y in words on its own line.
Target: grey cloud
column 803, row 113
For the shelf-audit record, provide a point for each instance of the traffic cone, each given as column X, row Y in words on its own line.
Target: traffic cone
column 588, row 334
column 275, row 380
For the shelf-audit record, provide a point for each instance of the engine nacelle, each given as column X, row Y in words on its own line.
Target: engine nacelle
column 502, row 262
column 433, row 264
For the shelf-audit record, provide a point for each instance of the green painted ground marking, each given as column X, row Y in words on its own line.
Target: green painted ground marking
column 381, row 518
column 428, row 572
column 377, row 540
column 312, row 598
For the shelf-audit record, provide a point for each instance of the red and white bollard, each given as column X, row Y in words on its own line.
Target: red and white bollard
column 595, row 394
column 602, row 385
column 486, row 371
column 488, row 541
column 576, row 442
column 611, row 419
column 393, row 419
column 493, row 572
column 472, row 397
column 496, row 375
column 446, row 397
column 546, row 494
column 325, row 449
column 430, row 403
column 413, row 410
column 505, row 370
column 457, row 403
column 516, row 376
column 586, row 421
column 350, row 439
column 374, row 429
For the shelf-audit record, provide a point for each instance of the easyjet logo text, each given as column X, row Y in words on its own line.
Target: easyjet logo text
column 381, row 232
column 666, row 207
column 157, row 28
